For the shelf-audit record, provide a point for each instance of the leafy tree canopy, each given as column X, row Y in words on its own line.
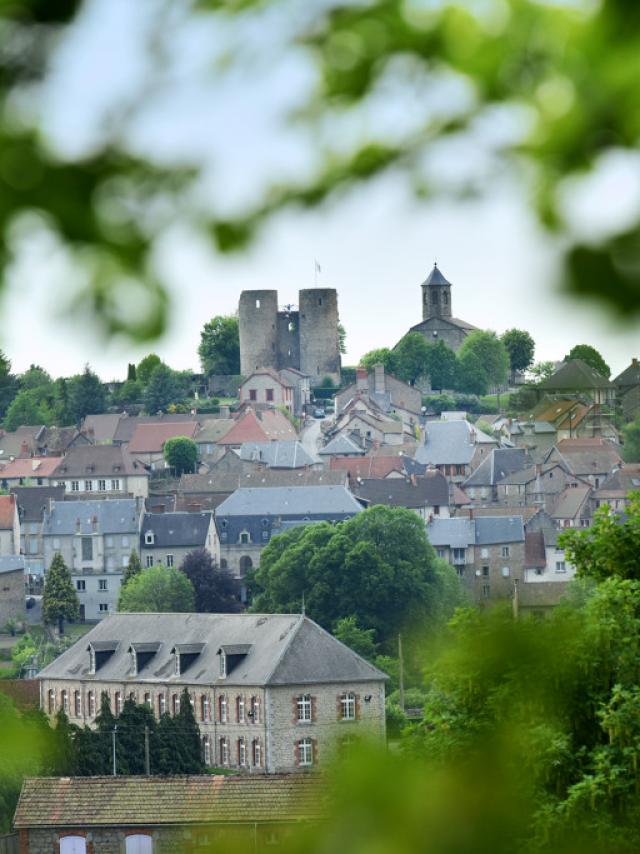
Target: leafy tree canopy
column 35, row 377
column 381, row 356
column 181, row 454
column 491, row 353
column 219, row 348
column 146, row 367
column 87, row 395
column 542, row 371
column 411, row 358
column 28, row 407
column 591, row 356
column 162, row 389
column 132, row 569
column 377, row 567
column 442, row 366
column 158, row 588
column 216, row 590
column 471, row 376
column 359, row 640
column 520, row 347
column 631, row 448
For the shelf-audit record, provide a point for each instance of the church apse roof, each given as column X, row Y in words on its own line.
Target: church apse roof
column 435, row 277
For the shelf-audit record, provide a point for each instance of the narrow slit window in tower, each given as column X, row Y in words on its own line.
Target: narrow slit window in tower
column 257, row 303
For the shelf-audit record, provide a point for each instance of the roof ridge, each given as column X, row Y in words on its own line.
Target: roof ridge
column 292, row 634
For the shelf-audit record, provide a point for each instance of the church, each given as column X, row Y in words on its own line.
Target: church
column 437, row 321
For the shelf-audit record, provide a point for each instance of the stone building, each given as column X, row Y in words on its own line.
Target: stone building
column 304, row 337
column 272, row 693
column 163, row 815
column 167, row 538
column 12, row 588
column 438, row 324
column 95, row 539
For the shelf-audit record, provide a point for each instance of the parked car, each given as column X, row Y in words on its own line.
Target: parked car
column 30, row 603
column 318, row 412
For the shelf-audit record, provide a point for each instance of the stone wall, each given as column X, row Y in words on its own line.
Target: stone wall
column 12, row 595
column 258, row 313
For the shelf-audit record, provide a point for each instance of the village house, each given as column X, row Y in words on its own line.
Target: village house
column 428, row 495
column 487, row 552
column 101, row 471
column 263, row 426
column 148, row 440
column 576, row 377
column 247, row 520
column 537, row 485
column 33, row 502
column 278, row 455
column 573, row 507
column 29, row 471
column 163, row 815
column 95, row 539
column 387, row 393
column 627, row 386
column 482, row 484
column 301, row 384
column 615, row 489
column 371, row 466
column 592, row 459
column 264, row 387
column 272, row 693
column 208, row 435
column 342, row 446
column 167, row 538
column 455, row 448
column 9, row 526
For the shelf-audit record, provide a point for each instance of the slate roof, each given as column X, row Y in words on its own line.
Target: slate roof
column 341, row 444
column 150, row 438
column 462, row 532
column 575, row 374
column 60, row 802
column 534, row 550
column 432, row 489
column 620, row 482
column 292, row 501
column 630, row 376
column 127, row 425
column 500, row 463
column 435, row 277
column 29, row 467
column 7, row 511
column 450, row 443
column 11, row 444
column 286, row 454
column 12, row 563
column 587, row 456
column 113, row 516
column 443, row 321
column 33, row 500
column 529, row 474
column 98, row 460
column 213, row 429
column 285, row 649
column 188, row 530
column 527, row 513
column 570, row 502
column 102, row 428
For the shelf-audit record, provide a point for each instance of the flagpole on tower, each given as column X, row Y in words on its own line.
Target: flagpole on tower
column 316, row 269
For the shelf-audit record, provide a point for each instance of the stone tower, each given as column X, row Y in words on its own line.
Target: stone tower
column 258, row 324
column 304, row 337
column 436, row 295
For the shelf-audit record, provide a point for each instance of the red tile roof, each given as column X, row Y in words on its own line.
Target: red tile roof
column 7, row 511
column 150, row 438
column 368, row 466
column 246, row 429
column 30, row 467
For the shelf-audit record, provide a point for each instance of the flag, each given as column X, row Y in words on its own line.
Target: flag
column 318, row 268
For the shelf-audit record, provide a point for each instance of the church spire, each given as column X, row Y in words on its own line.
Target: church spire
column 436, row 295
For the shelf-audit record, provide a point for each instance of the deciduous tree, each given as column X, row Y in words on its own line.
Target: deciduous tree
column 411, row 358
column 216, row 590
column 158, row 588
column 491, row 352
column 591, row 356
column 86, row 395
column 520, row 347
column 181, row 454
column 219, row 348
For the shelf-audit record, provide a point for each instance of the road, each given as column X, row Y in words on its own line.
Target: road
column 310, row 436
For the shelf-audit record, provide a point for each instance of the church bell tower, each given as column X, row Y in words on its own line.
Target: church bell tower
column 436, row 295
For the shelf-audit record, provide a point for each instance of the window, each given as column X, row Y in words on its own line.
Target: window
column 269, row 393
column 51, row 701
column 253, row 394
column 348, row 707
column 486, row 591
column 103, row 607
column 245, row 564
column 91, row 701
column 115, row 486
column 222, row 704
column 147, row 700
column 484, row 553
column 561, row 566
column 87, row 548
column 81, row 585
column 162, row 705
column 441, row 552
column 148, row 538
column 102, row 486
column 87, row 485
column 169, row 561
column 206, row 750
column 459, row 555
column 109, row 542
column 132, row 697
column 257, row 753
column 75, row 486
column 485, row 571
column 77, row 705
column 175, row 704
column 506, row 572
column 242, row 752
column 245, row 538
column 118, row 703
column 65, row 702
column 138, row 843
column 125, row 561
column 102, row 584
column 240, row 710
column 305, row 752
column 73, row 845
column 204, row 708
column 125, row 542
column 148, row 561
column 255, row 710
column 224, row 751
column 505, row 551
column 304, row 707
column 56, row 543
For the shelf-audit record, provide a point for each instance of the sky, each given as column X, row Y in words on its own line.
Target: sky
column 375, row 245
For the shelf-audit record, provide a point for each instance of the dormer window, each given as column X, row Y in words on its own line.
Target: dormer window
column 245, row 538
column 141, row 655
column 185, row 655
column 99, row 653
column 149, row 539
column 231, row 655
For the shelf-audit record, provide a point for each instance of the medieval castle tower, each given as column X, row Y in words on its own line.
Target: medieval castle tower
column 303, row 337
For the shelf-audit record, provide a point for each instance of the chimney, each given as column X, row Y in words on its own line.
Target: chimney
column 78, row 525
column 362, row 379
column 225, row 411
column 94, row 523
column 634, row 362
column 413, row 480
column 378, row 374
column 471, row 512
column 24, row 448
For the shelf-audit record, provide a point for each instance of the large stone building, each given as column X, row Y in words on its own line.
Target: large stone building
column 271, row 693
column 304, row 337
column 438, row 324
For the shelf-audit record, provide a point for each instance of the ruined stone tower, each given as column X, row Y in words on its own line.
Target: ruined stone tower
column 304, row 337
